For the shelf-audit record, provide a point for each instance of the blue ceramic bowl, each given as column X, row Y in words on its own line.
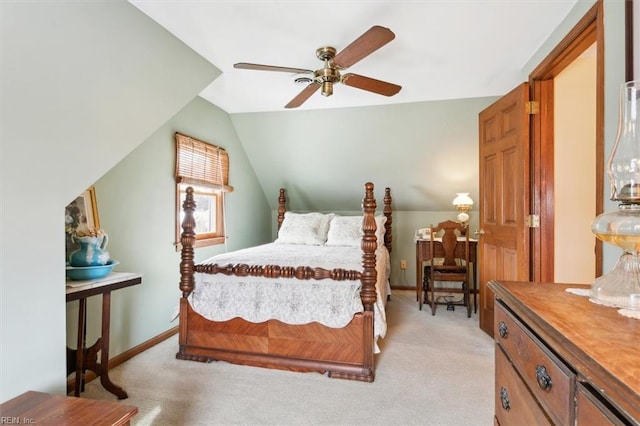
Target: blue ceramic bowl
column 78, row 273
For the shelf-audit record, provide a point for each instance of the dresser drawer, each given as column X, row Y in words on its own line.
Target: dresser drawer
column 593, row 412
column 515, row 405
column 548, row 378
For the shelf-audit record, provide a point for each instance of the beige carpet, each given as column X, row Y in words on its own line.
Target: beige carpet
column 432, row 370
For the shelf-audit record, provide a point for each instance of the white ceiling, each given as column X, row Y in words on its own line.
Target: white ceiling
column 444, row 49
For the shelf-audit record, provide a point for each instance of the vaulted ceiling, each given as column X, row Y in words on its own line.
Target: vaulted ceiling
column 443, row 49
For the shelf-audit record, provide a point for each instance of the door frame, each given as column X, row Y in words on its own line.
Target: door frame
column 589, row 30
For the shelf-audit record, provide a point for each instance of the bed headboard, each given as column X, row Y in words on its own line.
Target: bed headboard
column 388, row 235
column 282, row 207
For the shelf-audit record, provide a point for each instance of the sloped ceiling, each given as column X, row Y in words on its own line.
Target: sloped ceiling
column 452, row 59
column 444, row 49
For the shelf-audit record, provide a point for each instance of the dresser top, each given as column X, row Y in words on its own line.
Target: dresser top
column 600, row 343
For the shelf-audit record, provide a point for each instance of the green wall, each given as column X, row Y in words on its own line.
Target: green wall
column 83, row 84
column 424, row 151
column 136, row 205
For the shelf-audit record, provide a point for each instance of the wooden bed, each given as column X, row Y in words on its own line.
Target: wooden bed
column 346, row 352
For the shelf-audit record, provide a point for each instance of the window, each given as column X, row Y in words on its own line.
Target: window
column 205, row 168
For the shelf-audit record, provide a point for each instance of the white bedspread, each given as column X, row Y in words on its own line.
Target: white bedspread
column 219, row 297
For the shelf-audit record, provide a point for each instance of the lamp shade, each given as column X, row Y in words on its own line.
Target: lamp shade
column 462, row 199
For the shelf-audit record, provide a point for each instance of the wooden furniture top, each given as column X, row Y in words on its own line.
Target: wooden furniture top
column 600, row 343
column 46, row 409
column 114, row 281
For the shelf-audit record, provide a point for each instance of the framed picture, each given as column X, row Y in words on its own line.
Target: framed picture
column 81, row 211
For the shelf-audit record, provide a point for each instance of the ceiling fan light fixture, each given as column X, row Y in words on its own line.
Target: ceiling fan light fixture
column 327, row 88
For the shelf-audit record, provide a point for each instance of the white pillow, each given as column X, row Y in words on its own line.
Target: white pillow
column 347, row 230
column 304, row 228
column 323, row 231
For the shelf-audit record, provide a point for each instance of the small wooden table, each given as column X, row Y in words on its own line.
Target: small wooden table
column 83, row 358
column 45, row 409
column 423, row 254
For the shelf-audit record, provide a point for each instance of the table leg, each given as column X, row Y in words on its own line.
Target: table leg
column 80, row 347
column 104, row 350
column 474, row 287
column 418, row 279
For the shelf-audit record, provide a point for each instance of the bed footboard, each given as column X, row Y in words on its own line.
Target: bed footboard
column 339, row 352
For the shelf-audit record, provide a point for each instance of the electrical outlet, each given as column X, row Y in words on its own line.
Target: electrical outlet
column 403, row 264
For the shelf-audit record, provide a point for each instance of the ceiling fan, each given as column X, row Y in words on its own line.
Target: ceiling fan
column 324, row 78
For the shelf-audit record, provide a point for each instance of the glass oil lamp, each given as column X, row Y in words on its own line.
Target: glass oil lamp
column 620, row 287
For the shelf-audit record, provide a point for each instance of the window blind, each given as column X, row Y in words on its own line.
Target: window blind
column 201, row 163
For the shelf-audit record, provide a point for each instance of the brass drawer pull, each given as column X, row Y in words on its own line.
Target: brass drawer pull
column 504, row 398
column 544, row 380
column 503, row 331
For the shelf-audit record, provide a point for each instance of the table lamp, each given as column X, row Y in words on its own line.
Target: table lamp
column 463, row 204
column 620, row 287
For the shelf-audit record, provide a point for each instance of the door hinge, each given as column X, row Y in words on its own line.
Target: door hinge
column 532, row 107
column 533, row 221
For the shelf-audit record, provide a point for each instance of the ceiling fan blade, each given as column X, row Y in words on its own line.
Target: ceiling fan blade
column 371, row 84
column 363, row 46
column 303, row 96
column 260, row 67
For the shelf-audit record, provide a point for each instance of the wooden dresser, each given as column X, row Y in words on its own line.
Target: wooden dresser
column 561, row 359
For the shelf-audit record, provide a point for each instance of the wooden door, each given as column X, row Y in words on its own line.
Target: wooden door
column 503, row 248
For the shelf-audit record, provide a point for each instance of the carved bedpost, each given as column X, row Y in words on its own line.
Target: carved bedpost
column 187, row 240
column 282, row 201
column 388, row 236
column 369, row 246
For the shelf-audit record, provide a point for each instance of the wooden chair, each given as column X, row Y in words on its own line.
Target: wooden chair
column 453, row 267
